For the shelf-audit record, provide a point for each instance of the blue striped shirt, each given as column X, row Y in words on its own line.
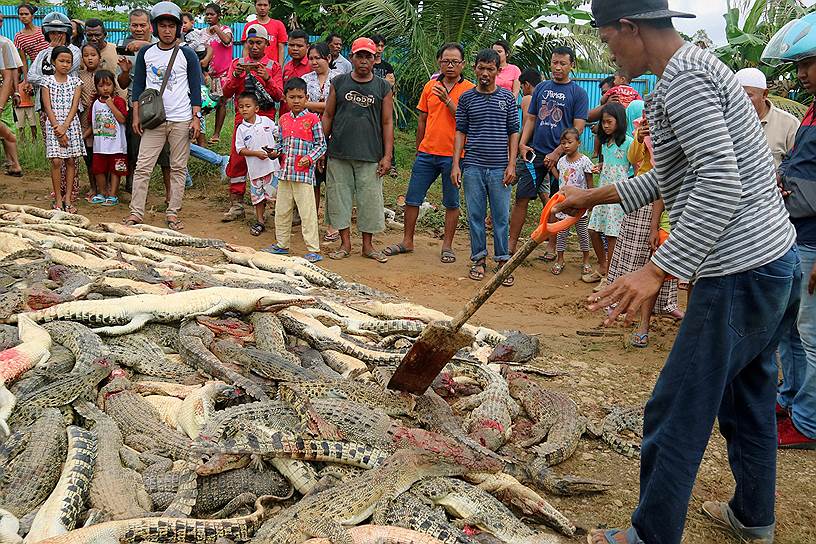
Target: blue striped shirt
column 487, row 120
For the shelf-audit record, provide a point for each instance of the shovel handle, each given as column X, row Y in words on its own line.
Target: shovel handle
column 484, row 293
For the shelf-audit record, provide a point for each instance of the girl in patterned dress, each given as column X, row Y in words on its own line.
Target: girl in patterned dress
column 63, row 135
column 606, row 218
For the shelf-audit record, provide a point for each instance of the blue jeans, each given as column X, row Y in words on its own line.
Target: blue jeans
column 797, row 351
column 207, row 155
column 721, row 366
column 482, row 185
column 426, row 169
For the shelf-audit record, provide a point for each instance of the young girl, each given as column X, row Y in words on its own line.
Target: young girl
column 606, row 218
column 573, row 168
column 638, row 233
column 90, row 64
column 63, row 134
column 106, row 118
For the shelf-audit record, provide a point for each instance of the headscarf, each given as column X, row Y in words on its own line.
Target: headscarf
column 634, row 111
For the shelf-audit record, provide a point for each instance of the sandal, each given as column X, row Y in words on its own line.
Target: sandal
column 214, row 139
column 477, row 270
column 548, row 257
column 339, row 254
column 14, row 173
column 378, row 256
column 509, row 281
column 331, row 236
column 173, row 223
column 720, row 513
column 257, row 229
column 557, row 268
column 601, row 286
column 70, row 208
column 275, row 249
column 97, row 199
column 131, row 220
column 396, row 249
column 447, row 256
column 591, row 277
column 313, row 257
column 639, row 339
column 111, row 201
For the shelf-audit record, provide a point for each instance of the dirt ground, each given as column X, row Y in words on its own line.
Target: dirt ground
column 602, row 371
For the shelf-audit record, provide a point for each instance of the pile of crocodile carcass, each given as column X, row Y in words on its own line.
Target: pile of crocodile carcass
column 147, row 396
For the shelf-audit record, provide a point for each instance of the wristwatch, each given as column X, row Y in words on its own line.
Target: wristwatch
column 199, row 114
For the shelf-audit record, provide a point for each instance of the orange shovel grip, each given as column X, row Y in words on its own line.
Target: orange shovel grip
column 545, row 228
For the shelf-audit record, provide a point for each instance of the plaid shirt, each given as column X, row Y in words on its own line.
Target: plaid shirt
column 293, row 145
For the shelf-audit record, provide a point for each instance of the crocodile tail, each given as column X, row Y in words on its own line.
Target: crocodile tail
column 186, row 496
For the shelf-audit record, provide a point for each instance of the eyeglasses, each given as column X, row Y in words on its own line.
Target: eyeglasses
column 446, row 62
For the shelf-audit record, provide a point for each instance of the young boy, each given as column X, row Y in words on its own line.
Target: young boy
column 301, row 144
column 192, row 35
column 255, row 140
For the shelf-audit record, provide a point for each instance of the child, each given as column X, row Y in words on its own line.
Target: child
column 624, row 93
column 606, row 218
column 24, row 111
column 574, row 168
column 63, row 134
column 106, row 118
column 301, row 144
column 91, row 59
column 255, row 139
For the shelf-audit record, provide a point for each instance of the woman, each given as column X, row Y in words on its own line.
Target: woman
column 508, row 73
column 30, row 40
column 638, row 232
column 318, row 84
column 78, row 32
column 218, row 39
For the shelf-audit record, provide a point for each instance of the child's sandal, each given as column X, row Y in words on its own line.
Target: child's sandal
column 257, row 229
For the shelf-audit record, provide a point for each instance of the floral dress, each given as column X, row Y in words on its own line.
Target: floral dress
column 62, row 96
column 607, row 218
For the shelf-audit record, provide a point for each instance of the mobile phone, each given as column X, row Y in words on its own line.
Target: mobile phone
column 530, row 157
column 122, row 50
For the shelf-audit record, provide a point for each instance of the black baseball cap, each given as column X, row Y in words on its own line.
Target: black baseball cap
column 605, row 12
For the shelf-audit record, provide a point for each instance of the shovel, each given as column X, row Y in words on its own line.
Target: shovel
column 442, row 339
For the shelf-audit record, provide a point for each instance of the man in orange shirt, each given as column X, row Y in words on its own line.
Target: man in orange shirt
column 434, row 140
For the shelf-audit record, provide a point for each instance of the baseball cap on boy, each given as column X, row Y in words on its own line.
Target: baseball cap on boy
column 257, row 31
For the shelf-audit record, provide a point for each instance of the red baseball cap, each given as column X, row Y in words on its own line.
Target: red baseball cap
column 364, row 44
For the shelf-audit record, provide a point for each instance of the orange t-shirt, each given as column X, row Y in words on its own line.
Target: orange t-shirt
column 441, row 125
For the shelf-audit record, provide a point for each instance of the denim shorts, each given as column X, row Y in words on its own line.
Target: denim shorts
column 426, row 169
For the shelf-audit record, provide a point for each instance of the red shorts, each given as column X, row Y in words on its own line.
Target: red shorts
column 115, row 164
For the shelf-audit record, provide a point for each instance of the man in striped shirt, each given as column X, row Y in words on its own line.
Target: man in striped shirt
column 731, row 236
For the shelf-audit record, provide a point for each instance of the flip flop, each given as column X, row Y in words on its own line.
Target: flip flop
column 131, row 220
column 548, row 257
column 331, row 236
column 612, row 536
column 275, row 249
column 396, row 249
column 378, row 256
column 313, row 257
column 639, row 339
column 720, row 513
column 214, row 140
column 97, row 199
column 173, row 223
column 509, row 281
column 339, row 254
column 447, row 256
column 477, row 270
column 592, row 277
column 111, row 201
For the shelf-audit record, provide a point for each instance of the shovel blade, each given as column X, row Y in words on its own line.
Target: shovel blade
column 428, row 356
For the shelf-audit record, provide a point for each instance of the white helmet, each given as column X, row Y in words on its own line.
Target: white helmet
column 57, row 22
column 166, row 10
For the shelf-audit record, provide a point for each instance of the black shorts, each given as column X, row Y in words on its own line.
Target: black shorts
column 534, row 179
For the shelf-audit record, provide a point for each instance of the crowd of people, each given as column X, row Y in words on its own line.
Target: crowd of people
column 681, row 187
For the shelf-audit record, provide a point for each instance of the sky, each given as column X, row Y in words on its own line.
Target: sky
column 709, row 17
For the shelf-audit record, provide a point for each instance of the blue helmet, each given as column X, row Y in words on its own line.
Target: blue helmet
column 793, row 42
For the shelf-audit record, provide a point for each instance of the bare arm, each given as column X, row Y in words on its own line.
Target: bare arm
column 316, row 107
column 118, row 115
column 280, row 53
column 527, row 130
column 223, row 35
column 74, row 106
column 387, row 133
column 205, row 62
column 45, row 95
column 516, row 88
column 9, row 78
column 422, row 122
column 458, row 146
column 328, row 113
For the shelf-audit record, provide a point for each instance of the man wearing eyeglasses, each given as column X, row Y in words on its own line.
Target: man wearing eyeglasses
column 434, row 140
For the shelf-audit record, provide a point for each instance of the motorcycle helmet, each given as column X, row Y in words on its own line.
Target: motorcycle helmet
column 57, row 22
column 793, row 42
column 165, row 10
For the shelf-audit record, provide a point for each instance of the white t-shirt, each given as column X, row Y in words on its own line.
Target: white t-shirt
column 256, row 136
column 109, row 134
column 177, row 106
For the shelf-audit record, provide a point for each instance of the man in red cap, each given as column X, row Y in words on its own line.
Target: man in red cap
column 358, row 121
column 259, row 74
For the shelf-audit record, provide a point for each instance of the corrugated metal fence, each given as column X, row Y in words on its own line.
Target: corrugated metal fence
column 11, row 24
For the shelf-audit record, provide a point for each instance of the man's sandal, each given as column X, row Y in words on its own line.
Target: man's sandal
column 131, row 220
column 477, row 270
column 447, row 256
column 396, row 249
column 720, row 513
column 174, row 223
column 557, row 268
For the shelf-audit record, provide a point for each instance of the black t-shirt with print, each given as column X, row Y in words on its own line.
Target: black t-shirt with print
column 357, row 126
column 382, row 69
